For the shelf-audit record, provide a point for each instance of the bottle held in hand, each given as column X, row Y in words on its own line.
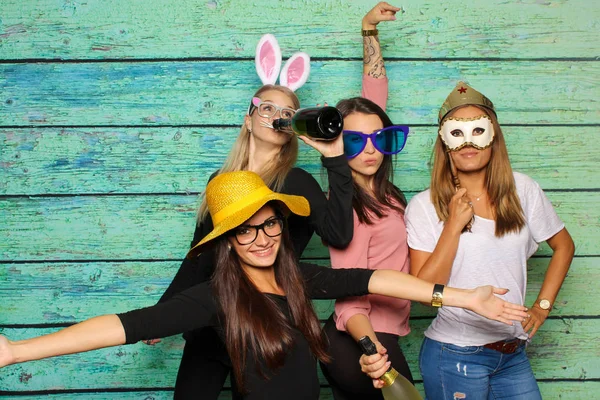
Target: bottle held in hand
column 318, row 123
column 396, row 386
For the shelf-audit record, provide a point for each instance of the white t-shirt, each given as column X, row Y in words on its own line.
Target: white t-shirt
column 484, row 259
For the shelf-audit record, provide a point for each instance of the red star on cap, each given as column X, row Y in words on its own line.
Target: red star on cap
column 462, row 89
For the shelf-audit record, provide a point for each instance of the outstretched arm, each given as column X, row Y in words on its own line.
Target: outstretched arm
column 95, row 333
column 323, row 283
column 482, row 300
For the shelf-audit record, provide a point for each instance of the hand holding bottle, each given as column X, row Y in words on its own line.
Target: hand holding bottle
column 375, row 365
column 396, row 386
column 332, row 148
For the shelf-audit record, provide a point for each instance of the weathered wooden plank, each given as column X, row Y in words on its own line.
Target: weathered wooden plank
column 564, row 349
column 217, row 92
column 138, row 29
column 169, row 160
column 112, row 395
column 160, row 226
column 53, row 293
column 550, row 391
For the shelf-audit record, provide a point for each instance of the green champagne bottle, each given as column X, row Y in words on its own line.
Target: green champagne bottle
column 318, row 123
column 396, row 386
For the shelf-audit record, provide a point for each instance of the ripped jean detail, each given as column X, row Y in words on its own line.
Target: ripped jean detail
column 453, row 372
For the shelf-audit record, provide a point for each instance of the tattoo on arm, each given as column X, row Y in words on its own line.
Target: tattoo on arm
column 372, row 58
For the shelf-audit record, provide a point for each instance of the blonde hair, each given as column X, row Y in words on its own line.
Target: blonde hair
column 499, row 182
column 275, row 172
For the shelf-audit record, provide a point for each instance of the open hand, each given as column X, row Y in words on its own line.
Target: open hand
column 381, row 12
column 375, row 365
column 486, row 303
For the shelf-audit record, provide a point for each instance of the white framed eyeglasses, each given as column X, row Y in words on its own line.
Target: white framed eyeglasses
column 266, row 109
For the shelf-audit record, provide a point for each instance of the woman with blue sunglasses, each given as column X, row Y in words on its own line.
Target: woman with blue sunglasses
column 379, row 241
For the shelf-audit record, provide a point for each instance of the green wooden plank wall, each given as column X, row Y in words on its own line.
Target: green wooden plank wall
column 113, row 114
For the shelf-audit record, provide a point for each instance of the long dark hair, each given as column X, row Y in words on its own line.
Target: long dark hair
column 384, row 189
column 252, row 321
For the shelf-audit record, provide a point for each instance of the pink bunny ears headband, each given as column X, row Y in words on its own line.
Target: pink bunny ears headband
column 268, row 62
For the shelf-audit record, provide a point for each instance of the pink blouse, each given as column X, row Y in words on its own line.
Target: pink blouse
column 381, row 245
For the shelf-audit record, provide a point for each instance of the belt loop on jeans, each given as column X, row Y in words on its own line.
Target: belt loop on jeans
column 505, row 346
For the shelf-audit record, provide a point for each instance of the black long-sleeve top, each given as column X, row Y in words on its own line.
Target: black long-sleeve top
column 331, row 219
column 196, row 308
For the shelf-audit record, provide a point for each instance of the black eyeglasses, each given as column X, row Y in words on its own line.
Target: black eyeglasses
column 247, row 234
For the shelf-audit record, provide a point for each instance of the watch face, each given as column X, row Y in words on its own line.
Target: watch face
column 544, row 304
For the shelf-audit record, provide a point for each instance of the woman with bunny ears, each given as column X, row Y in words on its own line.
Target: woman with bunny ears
column 271, row 154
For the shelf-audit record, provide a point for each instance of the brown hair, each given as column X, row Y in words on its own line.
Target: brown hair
column 252, row 320
column 499, row 182
column 237, row 160
column 363, row 202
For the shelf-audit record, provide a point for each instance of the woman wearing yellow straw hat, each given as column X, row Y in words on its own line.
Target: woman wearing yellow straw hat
column 272, row 155
column 259, row 298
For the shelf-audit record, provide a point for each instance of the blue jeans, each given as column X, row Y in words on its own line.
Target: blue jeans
column 475, row 373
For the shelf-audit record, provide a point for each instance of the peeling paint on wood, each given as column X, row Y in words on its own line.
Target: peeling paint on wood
column 218, row 92
column 228, row 28
column 53, row 293
column 174, row 68
column 178, row 160
column 160, row 226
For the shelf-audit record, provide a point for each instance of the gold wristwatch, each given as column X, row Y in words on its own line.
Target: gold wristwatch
column 438, row 295
column 544, row 304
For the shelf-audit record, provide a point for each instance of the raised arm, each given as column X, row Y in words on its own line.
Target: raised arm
column 331, row 218
column 372, row 59
column 375, row 83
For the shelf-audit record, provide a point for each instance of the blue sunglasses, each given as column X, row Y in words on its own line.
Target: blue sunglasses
column 390, row 140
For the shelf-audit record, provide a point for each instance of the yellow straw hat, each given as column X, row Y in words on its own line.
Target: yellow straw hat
column 234, row 197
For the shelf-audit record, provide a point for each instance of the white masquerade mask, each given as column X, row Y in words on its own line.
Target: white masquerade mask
column 457, row 133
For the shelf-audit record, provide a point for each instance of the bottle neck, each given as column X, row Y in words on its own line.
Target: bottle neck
column 389, row 377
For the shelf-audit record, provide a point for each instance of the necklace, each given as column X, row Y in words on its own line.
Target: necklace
column 478, row 196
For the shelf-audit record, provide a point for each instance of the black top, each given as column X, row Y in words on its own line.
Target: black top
column 196, row 308
column 332, row 220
